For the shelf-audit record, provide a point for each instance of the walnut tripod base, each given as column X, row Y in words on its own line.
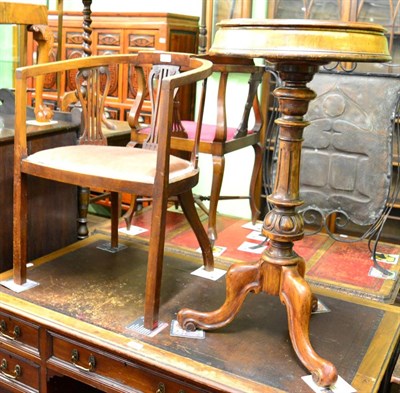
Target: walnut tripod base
column 280, row 271
column 284, row 279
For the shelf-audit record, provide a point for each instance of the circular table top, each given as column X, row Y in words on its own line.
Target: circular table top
column 301, row 40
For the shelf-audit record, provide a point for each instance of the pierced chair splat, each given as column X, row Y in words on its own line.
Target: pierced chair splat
column 141, row 171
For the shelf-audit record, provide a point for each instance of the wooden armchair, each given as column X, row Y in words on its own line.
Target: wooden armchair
column 219, row 138
column 150, row 170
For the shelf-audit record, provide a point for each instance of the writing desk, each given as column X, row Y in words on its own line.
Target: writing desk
column 87, row 298
column 298, row 48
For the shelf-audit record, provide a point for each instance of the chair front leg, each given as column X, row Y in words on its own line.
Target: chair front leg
column 20, row 228
column 155, row 261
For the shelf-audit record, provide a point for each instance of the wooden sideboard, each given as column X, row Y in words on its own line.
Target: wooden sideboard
column 72, row 332
column 112, row 33
column 55, row 201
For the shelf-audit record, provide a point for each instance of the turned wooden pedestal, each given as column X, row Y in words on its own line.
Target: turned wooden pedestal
column 297, row 48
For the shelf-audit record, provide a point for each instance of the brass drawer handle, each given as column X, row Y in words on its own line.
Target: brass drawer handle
column 17, row 370
column 161, row 388
column 4, row 333
column 75, row 359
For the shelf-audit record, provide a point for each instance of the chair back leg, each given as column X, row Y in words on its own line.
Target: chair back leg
column 218, row 175
column 188, row 206
column 255, row 184
column 115, row 198
column 83, row 207
column 128, row 216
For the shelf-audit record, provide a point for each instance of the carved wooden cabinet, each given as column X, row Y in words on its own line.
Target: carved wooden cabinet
column 120, row 33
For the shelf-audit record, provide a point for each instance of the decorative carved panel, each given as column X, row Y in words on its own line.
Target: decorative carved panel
column 141, row 40
column 71, row 75
column 346, row 155
column 50, row 80
column 114, row 69
column 132, row 82
column 110, row 39
column 74, row 37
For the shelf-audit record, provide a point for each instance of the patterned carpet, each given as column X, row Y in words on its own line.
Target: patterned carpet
column 344, row 267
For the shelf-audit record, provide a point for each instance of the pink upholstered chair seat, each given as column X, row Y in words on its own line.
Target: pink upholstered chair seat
column 113, row 162
column 207, row 131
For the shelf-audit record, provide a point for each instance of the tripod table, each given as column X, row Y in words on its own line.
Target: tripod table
column 297, row 48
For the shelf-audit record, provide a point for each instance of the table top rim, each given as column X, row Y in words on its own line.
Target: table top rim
column 301, row 23
column 317, row 41
column 317, row 57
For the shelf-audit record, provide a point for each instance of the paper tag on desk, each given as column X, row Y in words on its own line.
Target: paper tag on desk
column 10, row 284
column 387, row 258
column 217, row 250
column 177, row 331
column 214, row 275
column 256, row 235
column 41, row 123
column 254, row 227
column 340, row 386
column 251, row 247
column 138, row 326
column 373, row 272
column 133, row 230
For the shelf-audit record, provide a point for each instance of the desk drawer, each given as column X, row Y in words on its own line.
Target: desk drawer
column 18, row 373
column 93, row 365
column 19, row 333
